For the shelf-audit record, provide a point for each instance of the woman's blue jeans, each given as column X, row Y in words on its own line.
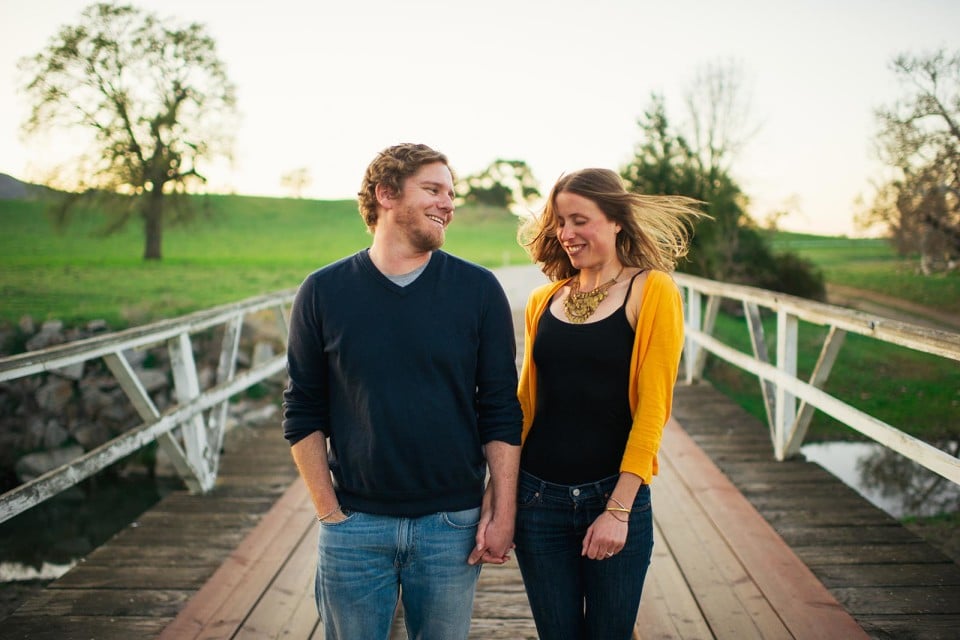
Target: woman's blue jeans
column 571, row 596
column 366, row 562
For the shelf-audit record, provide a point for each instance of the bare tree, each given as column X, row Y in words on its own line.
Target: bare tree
column 719, row 111
column 720, row 124
column 155, row 101
column 697, row 161
column 919, row 139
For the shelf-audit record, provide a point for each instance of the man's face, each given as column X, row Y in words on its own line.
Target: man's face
column 425, row 206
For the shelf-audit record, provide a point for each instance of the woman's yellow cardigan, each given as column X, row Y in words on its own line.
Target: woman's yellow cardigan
column 653, row 367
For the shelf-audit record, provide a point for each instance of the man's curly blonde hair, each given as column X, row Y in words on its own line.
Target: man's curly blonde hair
column 390, row 168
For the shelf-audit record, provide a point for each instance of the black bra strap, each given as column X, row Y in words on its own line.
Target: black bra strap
column 630, row 288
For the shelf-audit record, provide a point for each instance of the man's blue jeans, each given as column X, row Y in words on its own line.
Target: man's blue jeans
column 571, row 596
column 366, row 562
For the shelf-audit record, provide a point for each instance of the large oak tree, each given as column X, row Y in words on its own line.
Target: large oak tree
column 152, row 103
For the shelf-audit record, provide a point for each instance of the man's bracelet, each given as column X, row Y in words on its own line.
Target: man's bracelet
column 322, row 518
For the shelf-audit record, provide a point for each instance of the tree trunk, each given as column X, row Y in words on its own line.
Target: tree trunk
column 153, row 226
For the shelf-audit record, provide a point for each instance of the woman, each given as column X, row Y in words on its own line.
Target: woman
column 603, row 344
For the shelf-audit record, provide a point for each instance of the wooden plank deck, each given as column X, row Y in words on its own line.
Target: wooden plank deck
column 892, row 582
column 737, row 582
column 238, row 563
column 719, row 571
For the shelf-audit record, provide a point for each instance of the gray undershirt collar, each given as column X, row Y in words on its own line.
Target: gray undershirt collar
column 404, row 279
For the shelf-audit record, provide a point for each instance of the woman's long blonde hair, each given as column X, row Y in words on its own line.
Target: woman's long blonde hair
column 655, row 230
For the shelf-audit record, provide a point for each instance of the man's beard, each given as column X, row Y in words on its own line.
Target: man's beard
column 420, row 238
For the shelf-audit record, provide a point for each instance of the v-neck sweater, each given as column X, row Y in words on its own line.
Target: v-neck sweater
column 407, row 382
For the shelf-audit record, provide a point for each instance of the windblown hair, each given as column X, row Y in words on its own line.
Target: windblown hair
column 655, row 230
column 390, row 168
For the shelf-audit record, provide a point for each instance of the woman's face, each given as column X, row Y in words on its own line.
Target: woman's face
column 586, row 233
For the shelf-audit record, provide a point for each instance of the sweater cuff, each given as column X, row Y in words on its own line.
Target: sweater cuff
column 640, row 463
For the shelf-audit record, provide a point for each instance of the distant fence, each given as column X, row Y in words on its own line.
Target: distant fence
column 191, row 431
column 789, row 401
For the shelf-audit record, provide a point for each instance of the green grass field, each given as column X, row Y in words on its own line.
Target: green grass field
column 239, row 247
column 872, row 264
column 245, row 246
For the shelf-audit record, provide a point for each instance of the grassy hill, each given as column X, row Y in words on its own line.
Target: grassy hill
column 239, row 247
column 873, row 265
column 244, row 246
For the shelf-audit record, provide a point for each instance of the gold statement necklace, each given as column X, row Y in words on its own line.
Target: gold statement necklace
column 579, row 306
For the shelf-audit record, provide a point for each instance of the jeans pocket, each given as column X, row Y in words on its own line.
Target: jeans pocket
column 465, row 519
column 527, row 498
column 350, row 515
column 642, row 502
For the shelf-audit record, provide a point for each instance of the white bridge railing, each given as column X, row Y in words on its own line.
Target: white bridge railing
column 789, row 401
column 191, row 431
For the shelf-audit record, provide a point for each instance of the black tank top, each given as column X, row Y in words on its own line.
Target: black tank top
column 582, row 417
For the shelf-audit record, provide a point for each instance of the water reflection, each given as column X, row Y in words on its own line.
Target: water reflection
column 43, row 542
column 899, row 486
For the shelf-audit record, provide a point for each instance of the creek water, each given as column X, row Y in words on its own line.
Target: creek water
column 45, row 541
column 893, row 483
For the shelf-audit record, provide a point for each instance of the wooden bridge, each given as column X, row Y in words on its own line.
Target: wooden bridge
column 746, row 547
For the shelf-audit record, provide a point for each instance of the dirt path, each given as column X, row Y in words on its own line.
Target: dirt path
column 892, row 307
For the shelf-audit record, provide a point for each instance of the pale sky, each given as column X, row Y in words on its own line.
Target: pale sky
column 559, row 84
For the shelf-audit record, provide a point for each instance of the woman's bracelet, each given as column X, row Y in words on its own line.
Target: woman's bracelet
column 618, row 509
column 322, row 518
column 619, row 504
column 619, row 519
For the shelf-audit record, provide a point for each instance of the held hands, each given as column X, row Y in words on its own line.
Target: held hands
column 494, row 541
column 494, row 534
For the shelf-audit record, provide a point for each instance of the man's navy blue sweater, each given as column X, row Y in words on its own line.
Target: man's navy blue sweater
column 406, row 382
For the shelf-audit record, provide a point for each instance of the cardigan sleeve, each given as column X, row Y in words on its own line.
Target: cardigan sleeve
column 653, row 372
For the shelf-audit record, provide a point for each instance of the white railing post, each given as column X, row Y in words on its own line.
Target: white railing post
column 785, row 405
column 821, row 372
column 226, row 370
column 691, row 348
column 193, row 431
column 281, row 316
column 147, row 410
column 751, row 311
column 708, row 323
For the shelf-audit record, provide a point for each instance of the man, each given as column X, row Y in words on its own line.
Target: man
column 403, row 357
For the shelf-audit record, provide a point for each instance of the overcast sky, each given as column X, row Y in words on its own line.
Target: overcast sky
column 559, row 84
